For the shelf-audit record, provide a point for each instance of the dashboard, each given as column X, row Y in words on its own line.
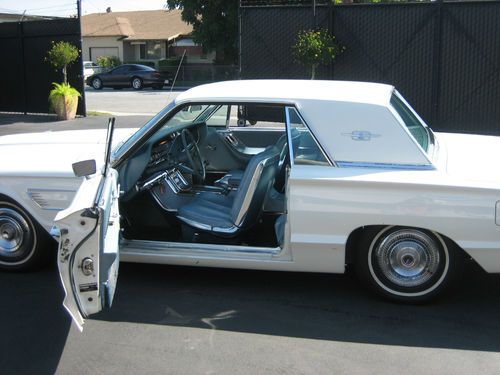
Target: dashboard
column 162, row 151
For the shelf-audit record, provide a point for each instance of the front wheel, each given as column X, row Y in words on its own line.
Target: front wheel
column 406, row 264
column 137, row 83
column 22, row 242
column 97, row 83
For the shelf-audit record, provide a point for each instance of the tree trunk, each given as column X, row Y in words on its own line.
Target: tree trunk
column 65, row 76
column 313, row 71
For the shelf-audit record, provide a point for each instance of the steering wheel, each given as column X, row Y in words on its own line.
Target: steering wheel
column 193, row 155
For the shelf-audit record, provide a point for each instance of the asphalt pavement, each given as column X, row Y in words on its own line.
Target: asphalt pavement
column 179, row 320
column 18, row 123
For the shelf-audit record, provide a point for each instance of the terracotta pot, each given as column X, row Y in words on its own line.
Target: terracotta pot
column 65, row 107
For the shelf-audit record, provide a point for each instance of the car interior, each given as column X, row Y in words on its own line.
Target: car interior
column 214, row 174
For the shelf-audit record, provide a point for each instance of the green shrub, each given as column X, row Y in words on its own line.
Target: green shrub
column 315, row 47
column 108, row 62
column 171, row 61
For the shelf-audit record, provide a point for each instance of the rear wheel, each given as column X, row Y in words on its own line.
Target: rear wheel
column 137, row 83
column 23, row 244
column 97, row 83
column 406, row 264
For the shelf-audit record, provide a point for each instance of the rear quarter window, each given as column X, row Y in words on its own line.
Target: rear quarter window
column 413, row 124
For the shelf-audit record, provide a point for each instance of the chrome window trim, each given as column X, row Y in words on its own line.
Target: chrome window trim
column 331, row 162
column 399, row 119
column 413, row 167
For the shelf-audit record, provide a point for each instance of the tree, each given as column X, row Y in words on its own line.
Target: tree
column 315, row 47
column 214, row 25
column 61, row 55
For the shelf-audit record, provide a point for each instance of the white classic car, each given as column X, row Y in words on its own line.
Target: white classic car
column 270, row 175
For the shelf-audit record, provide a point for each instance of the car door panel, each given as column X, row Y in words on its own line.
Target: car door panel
column 257, row 137
column 88, row 254
column 228, row 149
column 218, row 154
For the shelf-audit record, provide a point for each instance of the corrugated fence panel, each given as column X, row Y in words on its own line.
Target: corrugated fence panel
column 443, row 57
column 469, row 98
column 30, row 76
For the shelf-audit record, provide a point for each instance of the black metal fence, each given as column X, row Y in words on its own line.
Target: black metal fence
column 443, row 57
column 26, row 78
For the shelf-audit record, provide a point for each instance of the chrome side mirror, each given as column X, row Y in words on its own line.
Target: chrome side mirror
column 84, row 168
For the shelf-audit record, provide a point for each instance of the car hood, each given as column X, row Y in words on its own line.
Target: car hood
column 472, row 157
column 53, row 153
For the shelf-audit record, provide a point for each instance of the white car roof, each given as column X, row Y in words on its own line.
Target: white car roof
column 335, row 111
column 290, row 90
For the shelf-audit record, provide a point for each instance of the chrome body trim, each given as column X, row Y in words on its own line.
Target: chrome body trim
column 164, row 248
column 413, row 167
column 48, row 203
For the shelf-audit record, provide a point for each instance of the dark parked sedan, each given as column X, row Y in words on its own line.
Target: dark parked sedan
column 129, row 75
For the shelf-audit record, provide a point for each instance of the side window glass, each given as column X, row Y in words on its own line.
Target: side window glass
column 219, row 117
column 417, row 130
column 248, row 116
column 258, row 116
column 305, row 150
column 120, row 70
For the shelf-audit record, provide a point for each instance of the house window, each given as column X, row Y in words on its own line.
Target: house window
column 142, row 51
column 153, row 50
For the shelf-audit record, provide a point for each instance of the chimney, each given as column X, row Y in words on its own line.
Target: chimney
column 108, row 10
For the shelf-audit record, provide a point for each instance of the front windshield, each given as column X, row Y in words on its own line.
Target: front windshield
column 187, row 115
column 120, row 149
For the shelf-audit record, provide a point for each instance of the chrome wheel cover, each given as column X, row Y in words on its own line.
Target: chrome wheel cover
column 136, row 83
column 408, row 258
column 96, row 83
column 14, row 233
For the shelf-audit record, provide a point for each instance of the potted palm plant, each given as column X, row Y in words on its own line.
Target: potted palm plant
column 63, row 98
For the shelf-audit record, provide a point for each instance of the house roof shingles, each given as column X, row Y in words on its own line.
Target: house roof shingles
column 140, row 25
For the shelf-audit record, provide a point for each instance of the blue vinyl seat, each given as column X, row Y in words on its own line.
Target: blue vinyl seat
column 227, row 215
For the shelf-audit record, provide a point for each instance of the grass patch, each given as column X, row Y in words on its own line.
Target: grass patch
column 97, row 113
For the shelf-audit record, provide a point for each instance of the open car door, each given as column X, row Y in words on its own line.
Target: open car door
column 89, row 229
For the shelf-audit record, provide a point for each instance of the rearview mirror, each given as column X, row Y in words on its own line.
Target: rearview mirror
column 195, row 108
column 84, row 168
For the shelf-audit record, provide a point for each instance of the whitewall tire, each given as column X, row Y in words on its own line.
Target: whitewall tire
column 407, row 264
column 23, row 244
